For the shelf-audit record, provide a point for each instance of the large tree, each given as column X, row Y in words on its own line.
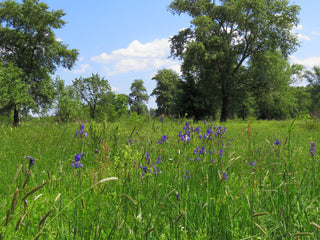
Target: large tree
column 269, row 77
column 166, row 90
column 224, row 35
column 28, row 42
column 138, row 97
column 93, row 91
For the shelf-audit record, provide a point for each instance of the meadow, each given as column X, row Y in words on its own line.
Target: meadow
column 142, row 178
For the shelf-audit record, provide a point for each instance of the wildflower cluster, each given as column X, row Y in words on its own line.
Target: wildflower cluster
column 154, row 169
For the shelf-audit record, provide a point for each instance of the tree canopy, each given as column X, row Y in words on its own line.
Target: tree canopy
column 93, row 91
column 224, row 35
column 29, row 43
column 138, row 97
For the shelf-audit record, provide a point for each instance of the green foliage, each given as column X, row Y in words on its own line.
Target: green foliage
column 166, row 91
column 67, row 103
column 270, row 78
column 138, row 97
column 313, row 78
column 13, row 90
column 223, row 36
column 29, row 43
column 93, row 91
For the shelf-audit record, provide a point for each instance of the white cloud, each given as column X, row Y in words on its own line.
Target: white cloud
column 315, row 33
column 58, row 39
column 303, row 37
column 137, row 57
column 82, row 69
column 307, row 62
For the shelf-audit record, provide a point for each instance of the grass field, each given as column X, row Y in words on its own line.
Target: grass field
column 143, row 179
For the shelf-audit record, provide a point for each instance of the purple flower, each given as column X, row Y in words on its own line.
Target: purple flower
column 276, row 142
column 177, row 195
column 147, row 156
column 158, row 160
column 187, row 174
column 186, row 127
column 76, row 162
column 220, row 152
column 225, row 176
column 208, row 133
column 81, row 132
column 312, row 149
column 163, row 139
column 130, row 141
column 252, row 163
column 31, row 160
column 161, row 119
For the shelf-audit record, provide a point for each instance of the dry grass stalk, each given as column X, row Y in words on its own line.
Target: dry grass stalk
column 38, row 236
column 82, row 203
column 315, row 225
column 7, row 217
column 18, row 224
column 34, row 190
column 128, row 197
column 57, row 197
column 17, row 173
column 177, row 220
column 44, row 218
column 260, row 214
column 260, row 228
column 107, row 179
column 149, row 231
column 14, row 200
column 167, row 196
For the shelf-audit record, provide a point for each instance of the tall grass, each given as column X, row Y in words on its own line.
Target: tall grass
column 255, row 180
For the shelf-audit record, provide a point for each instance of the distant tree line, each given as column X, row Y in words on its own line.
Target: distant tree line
column 234, row 65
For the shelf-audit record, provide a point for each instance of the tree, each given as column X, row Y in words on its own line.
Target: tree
column 166, row 90
column 14, row 91
column 28, row 42
column 93, row 91
column 269, row 78
column 67, row 102
column 138, row 97
column 224, row 36
column 313, row 78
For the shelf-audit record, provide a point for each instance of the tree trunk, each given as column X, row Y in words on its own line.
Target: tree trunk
column 92, row 112
column 15, row 117
column 225, row 103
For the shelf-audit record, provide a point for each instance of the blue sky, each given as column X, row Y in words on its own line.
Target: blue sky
column 128, row 39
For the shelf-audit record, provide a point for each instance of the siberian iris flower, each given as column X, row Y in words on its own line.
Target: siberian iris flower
column 225, row 176
column 208, row 133
column 81, row 132
column 163, row 138
column 147, row 156
column 186, row 127
column 76, row 162
column 31, row 160
column 161, row 119
column 312, row 149
column 220, row 152
column 276, row 142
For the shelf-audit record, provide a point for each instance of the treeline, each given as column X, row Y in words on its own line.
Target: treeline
column 234, row 65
